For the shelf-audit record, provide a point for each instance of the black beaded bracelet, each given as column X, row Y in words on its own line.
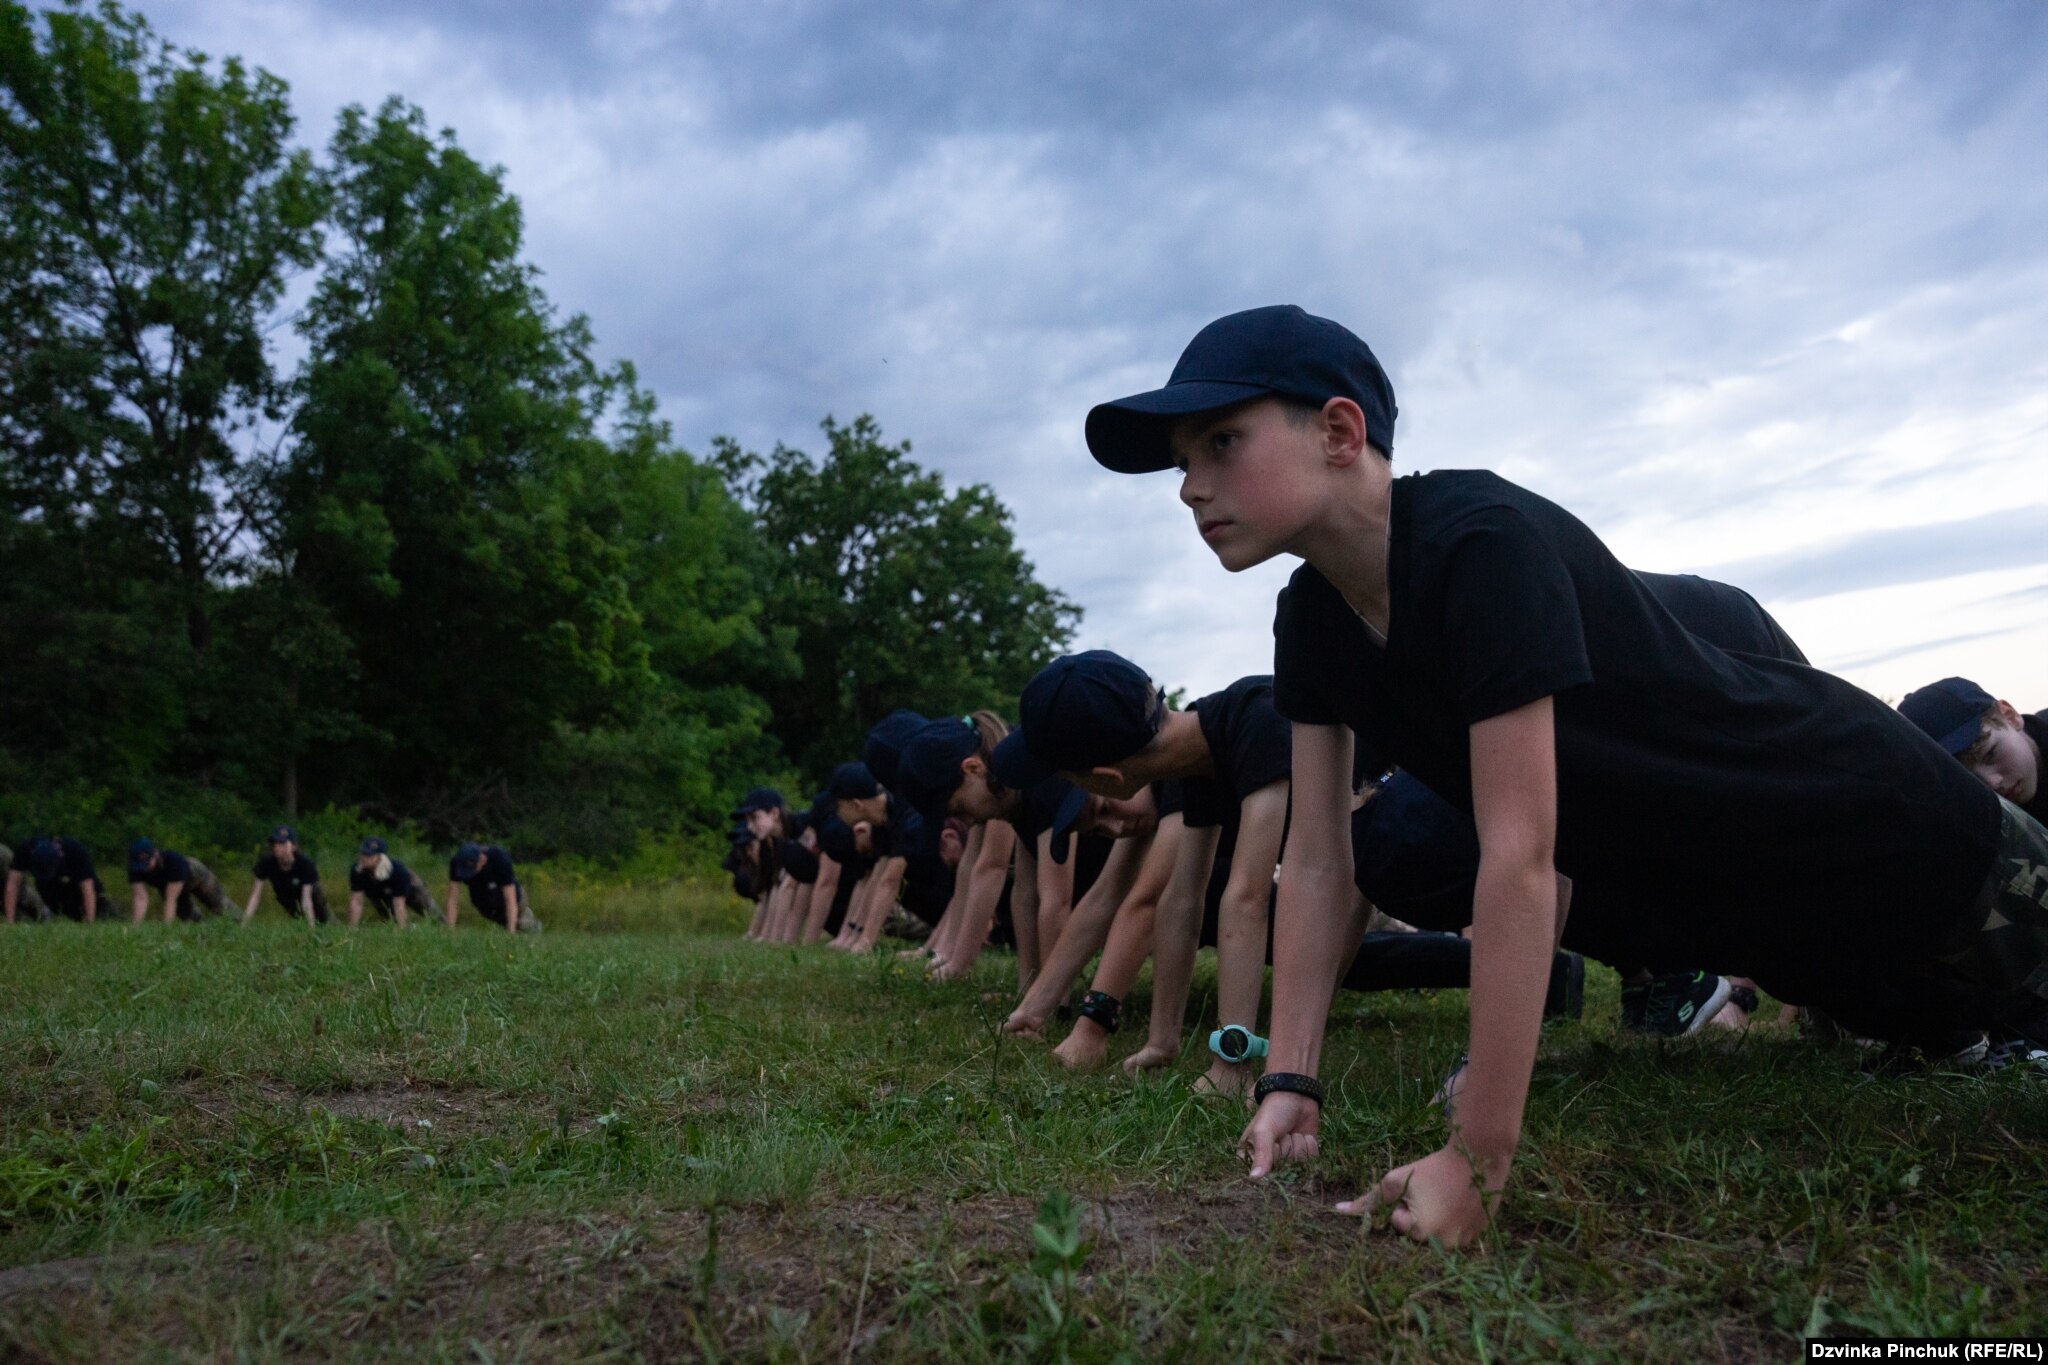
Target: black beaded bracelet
column 1104, row 1008
column 1292, row 1082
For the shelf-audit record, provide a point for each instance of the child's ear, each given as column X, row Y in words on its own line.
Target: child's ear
column 1115, row 775
column 1343, row 430
column 974, row 767
column 2006, row 715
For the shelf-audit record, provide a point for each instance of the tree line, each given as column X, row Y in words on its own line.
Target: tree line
column 313, row 499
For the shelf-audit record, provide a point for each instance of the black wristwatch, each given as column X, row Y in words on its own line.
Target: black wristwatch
column 1105, row 1009
column 1292, row 1082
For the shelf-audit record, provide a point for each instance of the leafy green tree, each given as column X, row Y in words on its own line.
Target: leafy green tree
column 151, row 216
column 897, row 592
column 523, row 560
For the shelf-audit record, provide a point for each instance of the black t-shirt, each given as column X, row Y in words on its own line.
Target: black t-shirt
column 1171, row 794
column 487, row 884
column 286, row 881
column 900, row 831
column 1251, row 744
column 1757, row 816
column 2036, row 728
column 1723, row 613
column 170, row 868
column 386, row 890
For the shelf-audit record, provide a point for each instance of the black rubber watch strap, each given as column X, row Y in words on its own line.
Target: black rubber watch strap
column 1105, row 1009
column 1292, row 1082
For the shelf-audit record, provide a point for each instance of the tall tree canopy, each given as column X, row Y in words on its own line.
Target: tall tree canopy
column 897, row 592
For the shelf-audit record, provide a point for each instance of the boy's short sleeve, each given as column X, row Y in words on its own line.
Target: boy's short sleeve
column 176, row 868
column 1300, row 670
column 308, row 870
column 266, row 867
column 1204, row 803
column 1512, row 632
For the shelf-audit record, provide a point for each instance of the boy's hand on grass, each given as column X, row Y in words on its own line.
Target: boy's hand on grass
column 1024, row 1025
column 1284, row 1129
column 1151, row 1057
column 1435, row 1199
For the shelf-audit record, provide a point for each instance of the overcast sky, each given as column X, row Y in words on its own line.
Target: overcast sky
column 1758, row 290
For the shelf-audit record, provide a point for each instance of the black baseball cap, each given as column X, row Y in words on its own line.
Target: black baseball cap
column 139, row 854
column 928, row 771
column 1080, row 711
column 1951, row 711
column 885, row 743
column 1261, row 353
column 284, row 834
column 371, row 847
column 760, row 798
column 43, row 854
column 464, row 864
column 1052, row 805
column 852, row 782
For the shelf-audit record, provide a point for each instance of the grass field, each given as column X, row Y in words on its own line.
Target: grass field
column 271, row 1143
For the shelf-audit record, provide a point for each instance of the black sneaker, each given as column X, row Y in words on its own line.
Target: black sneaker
column 1566, row 998
column 1682, row 1002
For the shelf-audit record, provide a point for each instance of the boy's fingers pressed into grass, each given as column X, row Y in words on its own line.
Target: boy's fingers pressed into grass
column 1283, row 1129
column 1432, row 1200
column 1024, row 1025
column 1150, row 1057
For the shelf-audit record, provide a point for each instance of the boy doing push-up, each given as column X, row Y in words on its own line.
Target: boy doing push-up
column 1746, row 814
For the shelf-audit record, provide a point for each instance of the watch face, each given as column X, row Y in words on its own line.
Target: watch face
column 1233, row 1044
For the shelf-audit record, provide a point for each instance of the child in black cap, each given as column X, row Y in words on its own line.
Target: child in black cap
column 1990, row 737
column 292, row 876
column 187, row 885
column 935, row 762
column 390, row 885
column 65, row 879
column 494, row 888
column 1790, row 826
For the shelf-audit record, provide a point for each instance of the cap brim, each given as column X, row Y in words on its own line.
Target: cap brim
column 1013, row 765
column 1070, row 808
column 1131, row 435
column 1958, row 740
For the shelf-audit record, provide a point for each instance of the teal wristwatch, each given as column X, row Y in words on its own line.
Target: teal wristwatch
column 1236, row 1043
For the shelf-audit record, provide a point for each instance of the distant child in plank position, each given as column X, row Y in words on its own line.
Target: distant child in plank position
column 188, row 886
column 494, row 888
column 389, row 884
column 1793, row 828
column 293, row 877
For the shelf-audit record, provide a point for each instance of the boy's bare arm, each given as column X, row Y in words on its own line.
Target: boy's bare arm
column 138, row 902
column 1310, row 926
column 1176, row 934
column 1086, row 929
column 985, row 891
column 1449, row 1195
column 823, row 892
